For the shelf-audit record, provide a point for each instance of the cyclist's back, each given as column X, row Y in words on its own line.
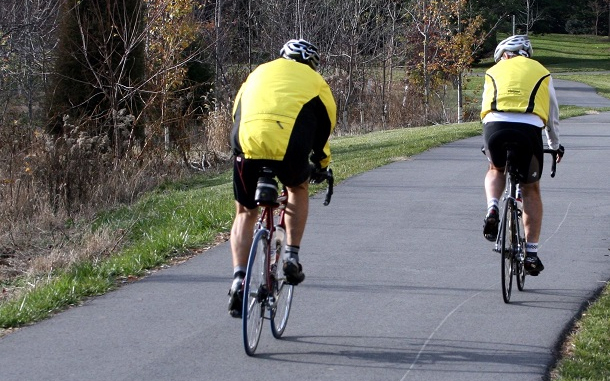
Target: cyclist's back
column 275, row 106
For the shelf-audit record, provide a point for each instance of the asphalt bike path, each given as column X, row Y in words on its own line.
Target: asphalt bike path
column 401, row 285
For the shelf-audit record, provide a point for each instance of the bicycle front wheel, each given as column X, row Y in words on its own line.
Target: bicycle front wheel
column 520, row 274
column 255, row 292
column 282, row 293
column 520, row 257
column 506, row 250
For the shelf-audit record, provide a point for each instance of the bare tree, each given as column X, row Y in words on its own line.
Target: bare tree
column 443, row 48
column 598, row 8
column 530, row 15
column 26, row 40
column 607, row 2
column 424, row 26
column 100, row 67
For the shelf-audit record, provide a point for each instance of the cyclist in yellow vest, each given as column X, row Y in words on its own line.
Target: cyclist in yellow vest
column 519, row 101
column 283, row 116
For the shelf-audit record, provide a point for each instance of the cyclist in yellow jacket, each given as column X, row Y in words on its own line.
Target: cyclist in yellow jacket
column 519, row 101
column 283, row 116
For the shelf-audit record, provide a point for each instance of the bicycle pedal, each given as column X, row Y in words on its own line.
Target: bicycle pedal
column 271, row 301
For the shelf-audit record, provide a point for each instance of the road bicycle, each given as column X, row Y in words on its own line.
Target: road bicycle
column 510, row 242
column 267, row 295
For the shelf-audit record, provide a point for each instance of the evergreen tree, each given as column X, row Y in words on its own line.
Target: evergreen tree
column 99, row 64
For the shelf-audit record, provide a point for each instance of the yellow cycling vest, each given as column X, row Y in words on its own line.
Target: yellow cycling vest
column 265, row 119
column 519, row 85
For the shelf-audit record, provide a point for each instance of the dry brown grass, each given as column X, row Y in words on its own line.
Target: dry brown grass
column 51, row 190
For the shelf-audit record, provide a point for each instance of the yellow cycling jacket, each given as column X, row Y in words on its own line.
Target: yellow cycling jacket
column 268, row 104
column 517, row 84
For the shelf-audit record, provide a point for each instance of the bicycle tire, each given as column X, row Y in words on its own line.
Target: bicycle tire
column 506, row 252
column 282, row 293
column 255, row 295
column 520, row 257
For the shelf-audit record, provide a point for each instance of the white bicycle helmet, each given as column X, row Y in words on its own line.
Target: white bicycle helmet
column 518, row 44
column 301, row 51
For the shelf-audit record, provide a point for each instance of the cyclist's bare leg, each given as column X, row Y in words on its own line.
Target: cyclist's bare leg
column 532, row 222
column 241, row 240
column 494, row 186
column 297, row 210
column 532, row 211
column 241, row 234
column 494, row 182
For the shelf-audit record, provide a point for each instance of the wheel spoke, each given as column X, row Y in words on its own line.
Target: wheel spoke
column 282, row 294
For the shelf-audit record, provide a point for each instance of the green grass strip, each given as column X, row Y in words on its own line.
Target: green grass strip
column 588, row 355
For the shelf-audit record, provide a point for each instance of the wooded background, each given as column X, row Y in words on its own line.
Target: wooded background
column 101, row 100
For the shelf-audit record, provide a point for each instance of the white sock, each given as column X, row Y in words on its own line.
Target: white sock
column 292, row 253
column 531, row 248
column 239, row 271
column 491, row 203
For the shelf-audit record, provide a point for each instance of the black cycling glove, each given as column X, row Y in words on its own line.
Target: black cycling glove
column 317, row 174
column 560, row 151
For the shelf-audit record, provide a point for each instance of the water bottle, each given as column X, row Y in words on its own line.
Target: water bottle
column 519, row 198
column 278, row 240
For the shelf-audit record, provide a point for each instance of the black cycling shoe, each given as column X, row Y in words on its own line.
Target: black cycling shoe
column 236, row 297
column 293, row 272
column 533, row 265
column 490, row 228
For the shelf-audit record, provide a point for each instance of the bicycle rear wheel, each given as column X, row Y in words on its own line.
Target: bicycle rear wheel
column 282, row 293
column 255, row 292
column 506, row 250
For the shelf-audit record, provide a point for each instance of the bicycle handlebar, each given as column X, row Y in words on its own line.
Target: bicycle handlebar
column 553, row 153
column 330, row 179
column 318, row 176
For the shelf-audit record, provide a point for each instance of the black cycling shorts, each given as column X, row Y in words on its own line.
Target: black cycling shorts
column 246, row 173
column 526, row 140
